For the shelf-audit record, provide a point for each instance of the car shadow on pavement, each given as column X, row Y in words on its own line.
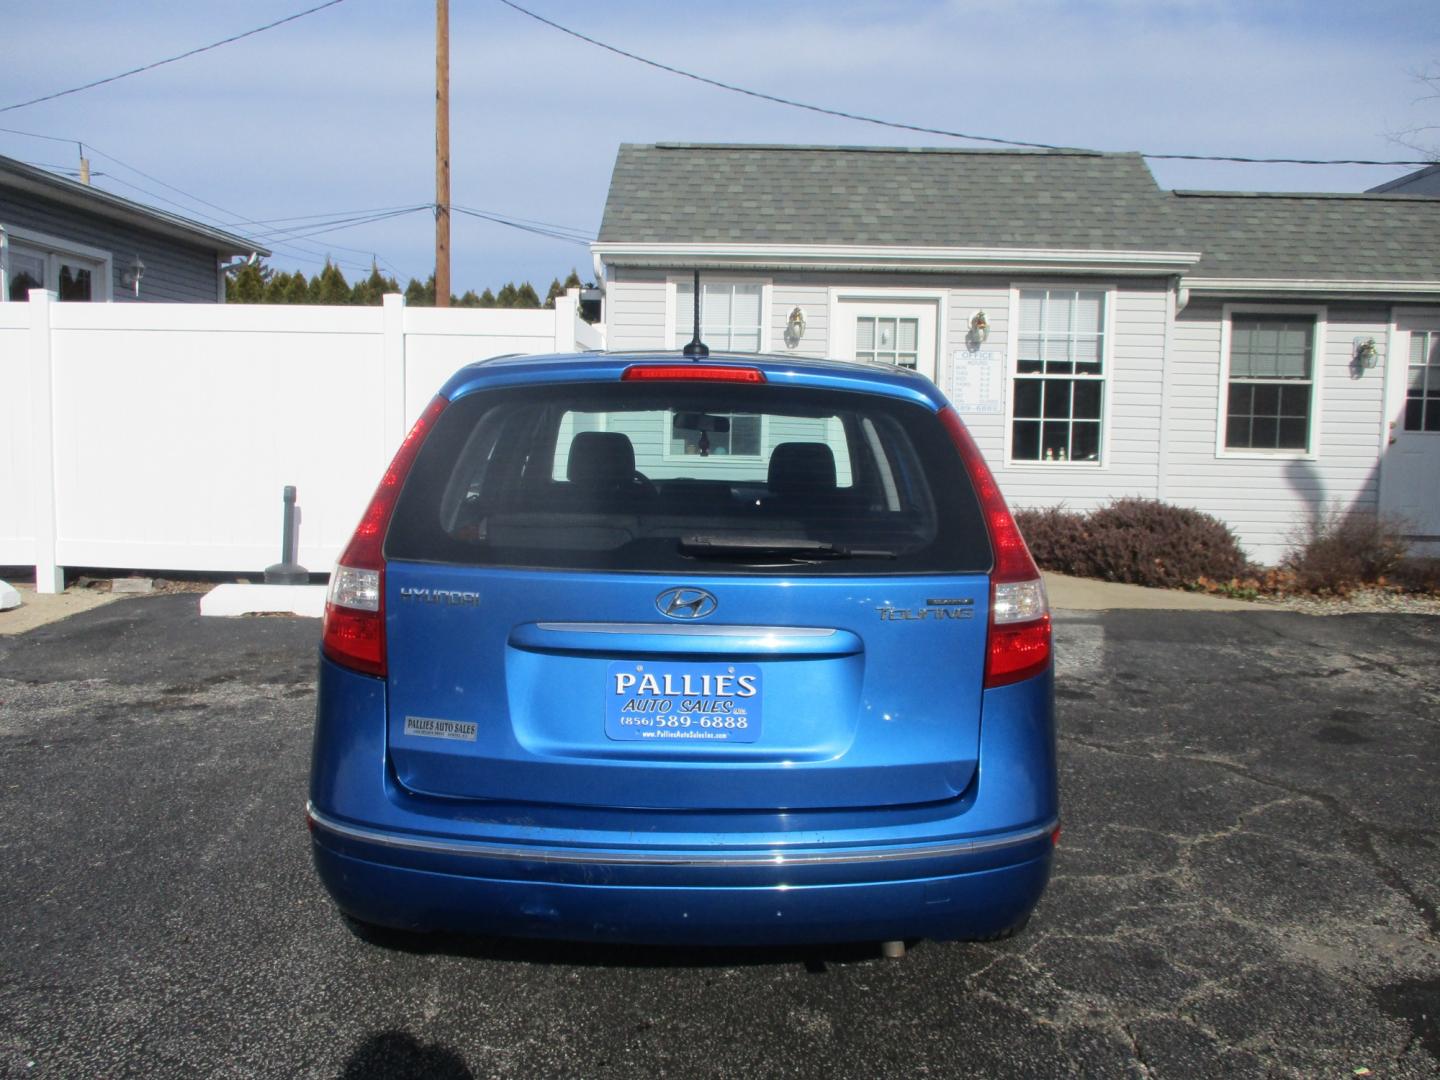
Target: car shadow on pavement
column 398, row 1055
column 814, row 958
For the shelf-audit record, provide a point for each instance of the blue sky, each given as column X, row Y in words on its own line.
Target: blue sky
column 334, row 112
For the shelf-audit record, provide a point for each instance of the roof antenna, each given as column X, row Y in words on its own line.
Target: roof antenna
column 697, row 348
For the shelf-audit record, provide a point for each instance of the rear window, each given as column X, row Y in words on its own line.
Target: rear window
column 710, row 477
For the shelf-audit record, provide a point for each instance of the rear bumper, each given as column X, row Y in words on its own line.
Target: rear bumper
column 970, row 867
column 957, row 890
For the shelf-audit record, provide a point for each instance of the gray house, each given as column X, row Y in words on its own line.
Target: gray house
column 87, row 244
column 1424, row 181
column 1259, row 357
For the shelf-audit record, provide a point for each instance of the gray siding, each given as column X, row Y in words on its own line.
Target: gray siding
column 1268, row 502
column 174, row 271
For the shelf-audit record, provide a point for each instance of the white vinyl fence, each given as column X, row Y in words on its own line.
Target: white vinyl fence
column 161, row 436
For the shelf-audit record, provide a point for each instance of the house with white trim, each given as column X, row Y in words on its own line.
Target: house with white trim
column 1260, row 357
column 85, row 244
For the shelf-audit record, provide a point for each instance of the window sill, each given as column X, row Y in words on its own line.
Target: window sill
column 1266, row 455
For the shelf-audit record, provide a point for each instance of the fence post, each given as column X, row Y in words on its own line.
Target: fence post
column 565, row 316
column 396, row 408
column 49, row 578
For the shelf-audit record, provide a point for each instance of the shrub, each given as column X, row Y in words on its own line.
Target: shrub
column 1342, row 550
column 1136, row 541
column 1146, row 542
column 1056, row 537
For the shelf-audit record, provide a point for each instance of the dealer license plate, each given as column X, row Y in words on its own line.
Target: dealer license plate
column 682, row 703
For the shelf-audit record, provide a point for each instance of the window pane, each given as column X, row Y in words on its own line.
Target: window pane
column 1030, row 313
column 1266, row 400
column 1027, row 397
column 1237, row 431
column 1432, row 415
column 907, row 335
column 1057, row 399
column 1056, row 439
column 1264, row 433
column 865, row 334
column 1088, row 309
column 1087, row 399
column 26, row 272
column 1026, row 440
column 74, row 282
column 1415, row 415
column 1292, row 434
column 1085, row 442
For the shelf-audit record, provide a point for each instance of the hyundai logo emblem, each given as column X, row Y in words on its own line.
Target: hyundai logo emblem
column 686, row 603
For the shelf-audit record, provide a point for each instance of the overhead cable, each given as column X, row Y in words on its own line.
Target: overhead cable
column 172, row 59
column 842, row 114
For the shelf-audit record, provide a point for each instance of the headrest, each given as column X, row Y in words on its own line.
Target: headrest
column 800, row 467
column 601, row 459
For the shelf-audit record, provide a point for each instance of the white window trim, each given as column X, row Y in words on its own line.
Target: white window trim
column 55, row 245
column 679, row 338
column 892, row 295
column 1317, row 380
column 1107, row 371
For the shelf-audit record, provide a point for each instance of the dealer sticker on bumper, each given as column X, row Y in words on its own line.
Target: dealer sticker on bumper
column 431, row 728
column 682, row 702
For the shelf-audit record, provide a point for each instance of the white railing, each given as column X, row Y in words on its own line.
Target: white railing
column 161, row 436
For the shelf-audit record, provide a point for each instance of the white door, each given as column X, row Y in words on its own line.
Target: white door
column 887, row 331
column 1410, row 470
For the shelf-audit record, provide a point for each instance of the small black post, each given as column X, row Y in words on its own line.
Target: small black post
column 696, row 348
column 288, row 571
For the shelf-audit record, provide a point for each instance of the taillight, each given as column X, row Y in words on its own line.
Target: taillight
column 702, row 372
column 354, row 633
column 1019, row 644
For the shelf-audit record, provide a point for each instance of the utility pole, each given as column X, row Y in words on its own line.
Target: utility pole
column 442, row 153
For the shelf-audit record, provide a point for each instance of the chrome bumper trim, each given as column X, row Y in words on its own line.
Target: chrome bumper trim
column 611, row 857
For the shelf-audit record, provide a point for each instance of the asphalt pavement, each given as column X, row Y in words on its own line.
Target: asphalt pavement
column 1247, row 884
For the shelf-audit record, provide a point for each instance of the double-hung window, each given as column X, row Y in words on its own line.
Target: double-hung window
column 1270, row 395
column 1059, row 376
column 731, row 315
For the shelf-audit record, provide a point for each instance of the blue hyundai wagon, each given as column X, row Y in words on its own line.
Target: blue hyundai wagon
column 732, row 650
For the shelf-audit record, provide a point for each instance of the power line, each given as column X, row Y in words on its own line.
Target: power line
column 579, row 239
column 917, row 127
column 559, row 232
column 172, row 59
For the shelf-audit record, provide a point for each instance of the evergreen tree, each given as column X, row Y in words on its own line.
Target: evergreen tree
column 298, row 291
column 507, row 295
column 330, row 286
column 469, row 300
column 371, row 291
column 418, row 295
column 556, row 290
column 526, row 296
column 487, row 299
column 277, row 289
column 247, row 286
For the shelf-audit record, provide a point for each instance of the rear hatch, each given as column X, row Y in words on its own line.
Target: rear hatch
column 686, row 594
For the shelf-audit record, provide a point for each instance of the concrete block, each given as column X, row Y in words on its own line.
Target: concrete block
column 132, row 586
column 230, row 600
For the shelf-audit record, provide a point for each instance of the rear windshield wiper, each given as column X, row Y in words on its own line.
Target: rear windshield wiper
column 797, row 548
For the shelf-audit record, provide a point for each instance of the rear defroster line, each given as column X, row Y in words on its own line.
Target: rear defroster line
column 592, row 857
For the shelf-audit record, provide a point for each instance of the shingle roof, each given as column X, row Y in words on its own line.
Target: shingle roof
column 727, row 194
column 678, row 192
column 1326, row 237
